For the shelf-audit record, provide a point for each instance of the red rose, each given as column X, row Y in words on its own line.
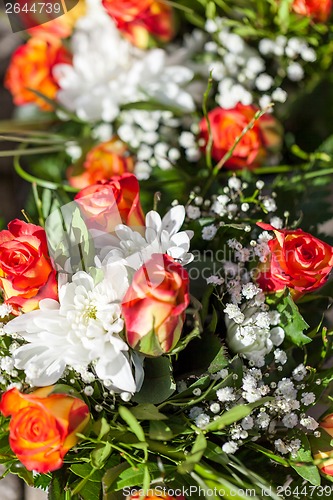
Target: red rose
column 227, row 124
column 43, row 426
column 138, row 19
column 26, row 273
column 31, row 67
column 102, row 162
column 318, row 10
column 108, row 203
column 297, row 260
column 154, row 305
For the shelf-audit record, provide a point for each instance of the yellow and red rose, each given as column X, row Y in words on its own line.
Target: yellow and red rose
column 227, row 125
column 154, row 305
column 297, row 260
column 26, row 273
column 31, row 68
column 43, row 426
column 318, row 10
column 138, row 19
column 104, row 161
column 321, row 446
column 108, row 203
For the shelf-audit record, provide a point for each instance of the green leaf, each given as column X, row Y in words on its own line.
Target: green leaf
column 158, row 384
column 147, row 411
column 160, row 430
column 135, row 476
column 194, row 456
column 56, row 489
column 306, row 468
column 100, row 455
column 84, row 470
column 292, row 322
column 91, row 490
column 101, row 428
column 19, row 470
column 132, row 423
column 111, row 475
column 268, row 453
column 236, row 413
column 220, row 361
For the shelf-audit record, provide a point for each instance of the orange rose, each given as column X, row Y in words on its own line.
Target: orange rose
column 102, row 162
column 139, row 18
column 109, row 203
column 157, row 494
column 227, row 124
column 154, row 305
column 318, row 10
column 31, row 68
column 297, row 260
column 26, row 273
column 43, row 426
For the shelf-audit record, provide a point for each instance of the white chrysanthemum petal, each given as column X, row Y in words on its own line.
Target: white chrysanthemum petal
column 153, row 221
column 173, row 220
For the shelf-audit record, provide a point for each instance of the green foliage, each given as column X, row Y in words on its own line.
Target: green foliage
column 292, row 322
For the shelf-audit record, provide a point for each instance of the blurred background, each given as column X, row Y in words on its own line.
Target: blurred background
column 12, row 189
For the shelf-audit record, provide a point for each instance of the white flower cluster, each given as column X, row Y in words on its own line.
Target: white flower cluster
column 108, row 72
column 284, row 410
column 241, row 70
column 150, row 134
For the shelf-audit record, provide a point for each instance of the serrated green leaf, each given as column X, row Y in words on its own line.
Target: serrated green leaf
column 292, row 322
column 91, row 490
column 220, row 361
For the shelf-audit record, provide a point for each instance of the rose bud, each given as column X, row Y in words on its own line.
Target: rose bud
column 297, row 260
column 227, row 124
column 138, row 19
column 31, row 67
column 108, row 203
column 154, row 305
column 318, row 10
column 43, row 426
column 26, row 273
column 102, row 162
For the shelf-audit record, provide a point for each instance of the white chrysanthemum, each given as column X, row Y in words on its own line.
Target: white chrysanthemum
column 108, row 71
column 82, row 328
column 161, row 236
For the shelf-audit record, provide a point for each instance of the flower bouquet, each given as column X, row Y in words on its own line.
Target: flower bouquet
column 164, row 310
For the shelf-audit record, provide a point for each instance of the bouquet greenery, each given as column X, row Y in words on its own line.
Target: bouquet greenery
column 165, row 303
